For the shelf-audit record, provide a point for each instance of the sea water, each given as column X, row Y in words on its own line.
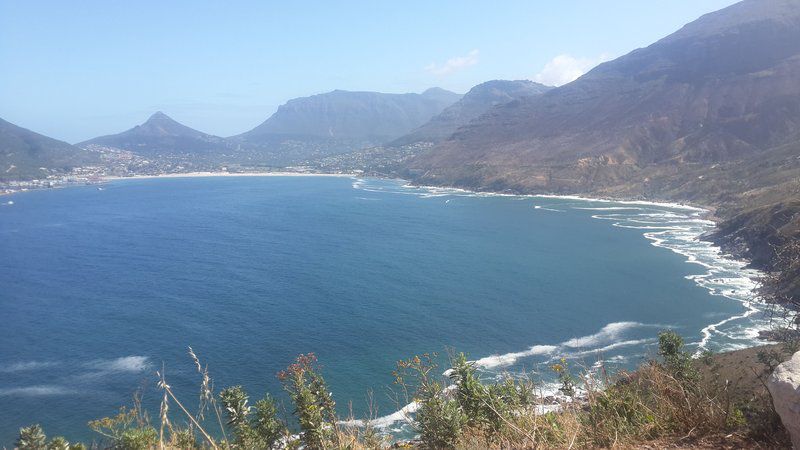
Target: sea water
column 101, row 288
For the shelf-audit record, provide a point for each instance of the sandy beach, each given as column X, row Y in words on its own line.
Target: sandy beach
column 231, row 174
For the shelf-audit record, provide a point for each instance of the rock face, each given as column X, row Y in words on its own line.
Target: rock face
column 784, row 385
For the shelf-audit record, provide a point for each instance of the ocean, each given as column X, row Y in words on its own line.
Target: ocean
column 101, row 287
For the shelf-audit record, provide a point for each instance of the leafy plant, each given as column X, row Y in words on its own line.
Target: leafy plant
column 314, row 405
column 32, row 438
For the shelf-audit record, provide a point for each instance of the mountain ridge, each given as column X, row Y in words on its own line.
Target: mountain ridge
column 480, row 99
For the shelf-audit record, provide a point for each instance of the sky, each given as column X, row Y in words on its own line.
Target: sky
column 76, row 70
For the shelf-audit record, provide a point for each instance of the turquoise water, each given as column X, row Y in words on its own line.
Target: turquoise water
column 100, row 288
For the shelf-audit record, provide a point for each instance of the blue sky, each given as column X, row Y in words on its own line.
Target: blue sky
column 76, row 70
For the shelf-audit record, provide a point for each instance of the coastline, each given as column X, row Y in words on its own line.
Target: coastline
column 709, row 255
column 111, row 178
column 229, row 174
column 689, row 244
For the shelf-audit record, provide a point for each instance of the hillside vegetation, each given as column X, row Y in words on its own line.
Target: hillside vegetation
column 708, row 402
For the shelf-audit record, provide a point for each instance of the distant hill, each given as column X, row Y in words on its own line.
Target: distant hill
column 722, row 88
column 25, row 154
column 161, row 135
column 476, row 102
column 340, row 121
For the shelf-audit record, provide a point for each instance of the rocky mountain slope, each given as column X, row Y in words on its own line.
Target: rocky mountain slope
column 721, row 88
column 476, row 102
column 25, row 154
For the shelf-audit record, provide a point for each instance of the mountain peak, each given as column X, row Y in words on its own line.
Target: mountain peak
column 161, row 134
column 159, row 116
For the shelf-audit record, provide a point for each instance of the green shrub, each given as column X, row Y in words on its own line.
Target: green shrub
column 138, row 438
column 439, row 419
column 314, row 405
column 676, row 360
column 32, row 438
column 259, row 430
column 58, row 443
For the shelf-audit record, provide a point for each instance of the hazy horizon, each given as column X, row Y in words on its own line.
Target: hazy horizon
column 74, row 72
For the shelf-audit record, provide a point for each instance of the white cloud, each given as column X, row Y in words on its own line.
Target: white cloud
column 453, row 65
column 566, row 68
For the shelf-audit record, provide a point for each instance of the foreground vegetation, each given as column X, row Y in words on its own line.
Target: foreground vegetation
column 674, row 397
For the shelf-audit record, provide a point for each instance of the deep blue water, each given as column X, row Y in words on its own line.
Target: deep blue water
column 99, row 288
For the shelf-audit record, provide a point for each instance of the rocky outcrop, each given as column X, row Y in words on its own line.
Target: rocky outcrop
column 784, row 386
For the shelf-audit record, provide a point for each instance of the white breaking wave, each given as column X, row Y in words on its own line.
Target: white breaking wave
column 44, row 390
column 608, row 333
column 608, row 338
column 508, row 359
column 26, row 366
column 680, row 231
column 125, row 364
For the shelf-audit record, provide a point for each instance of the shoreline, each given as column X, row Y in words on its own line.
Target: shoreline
column 111, row 178
column 228, row 174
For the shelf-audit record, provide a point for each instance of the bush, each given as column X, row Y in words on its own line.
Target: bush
column 259, row 430
column 677, row 361
column 439, row 418
column 32, row 438
column 139, row 438
column 314, row 405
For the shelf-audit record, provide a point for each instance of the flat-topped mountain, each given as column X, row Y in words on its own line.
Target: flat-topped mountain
column 722, row 88
column 161, row 135
column 25, row 154
column 343, row 120
column 474, row 103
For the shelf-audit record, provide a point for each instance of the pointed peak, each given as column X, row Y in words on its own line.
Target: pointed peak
column 158, row 115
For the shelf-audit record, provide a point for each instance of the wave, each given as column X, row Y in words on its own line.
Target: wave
column 680, row 231
column 44, row 390
column 508, row 359
column 27, row 366
column 125, row 364
column 540, row 207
